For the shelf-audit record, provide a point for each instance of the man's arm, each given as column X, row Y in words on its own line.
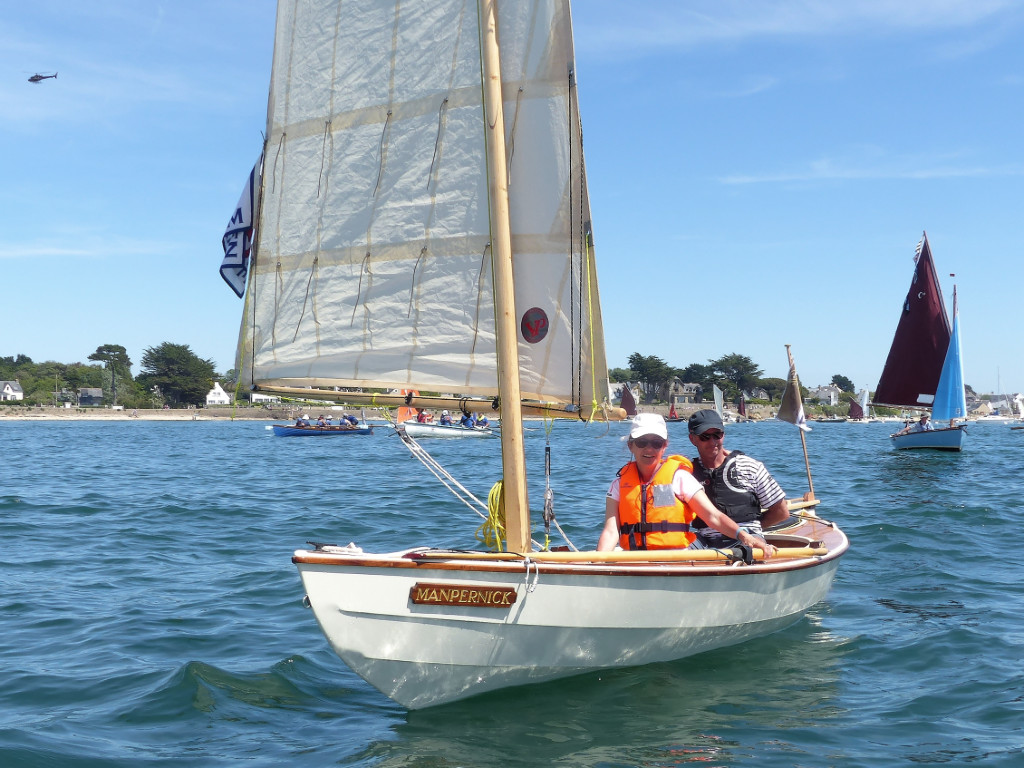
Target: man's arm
column 776, row 513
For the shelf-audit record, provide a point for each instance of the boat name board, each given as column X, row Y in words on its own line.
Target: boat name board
column 425, row 593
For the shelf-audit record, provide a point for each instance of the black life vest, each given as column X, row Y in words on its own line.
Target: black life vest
column 725, row 491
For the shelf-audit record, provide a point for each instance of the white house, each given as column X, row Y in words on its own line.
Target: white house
column 11, row 390
column 256, row 397
column 828, row 395
column 217, row 396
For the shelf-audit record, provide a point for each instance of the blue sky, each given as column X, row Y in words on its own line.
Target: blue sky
column 760, row 173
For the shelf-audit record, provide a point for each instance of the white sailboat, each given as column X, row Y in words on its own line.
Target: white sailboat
column 425, row 225
column 719, row 398
column 418, row 429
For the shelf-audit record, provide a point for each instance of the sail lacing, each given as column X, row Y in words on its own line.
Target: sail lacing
column 311, row 284
column 278, row 292
column 382, row 153
column 364, row 268
column 479, row 298
column 323, row 153
column 442, row 114
column 412, row 288
column 512, row 135
column 273, row 176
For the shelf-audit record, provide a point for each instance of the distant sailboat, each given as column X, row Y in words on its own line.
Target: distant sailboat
column 627, row 401
column 856, row 412
column 719, row 396
column 924, row 370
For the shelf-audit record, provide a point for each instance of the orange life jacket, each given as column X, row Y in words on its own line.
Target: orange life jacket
column 650, row 514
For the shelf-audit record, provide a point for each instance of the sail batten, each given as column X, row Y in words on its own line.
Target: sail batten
column 373, row 266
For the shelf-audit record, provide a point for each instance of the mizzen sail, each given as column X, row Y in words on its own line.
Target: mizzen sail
column 373, row 261
column 911, row 373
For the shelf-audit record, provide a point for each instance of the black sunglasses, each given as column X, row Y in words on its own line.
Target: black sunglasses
column 654, row 442
column 711, row 436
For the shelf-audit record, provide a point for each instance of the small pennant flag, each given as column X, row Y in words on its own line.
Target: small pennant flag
column 238, row 237
column 792, row 408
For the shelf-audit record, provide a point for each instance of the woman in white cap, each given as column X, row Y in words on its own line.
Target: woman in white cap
column 654, row 499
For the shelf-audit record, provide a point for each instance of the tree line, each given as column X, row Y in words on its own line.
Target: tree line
column 170, row 374
column 732, row 373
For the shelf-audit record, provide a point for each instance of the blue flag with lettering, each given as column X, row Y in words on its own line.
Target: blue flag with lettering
column 238, row 237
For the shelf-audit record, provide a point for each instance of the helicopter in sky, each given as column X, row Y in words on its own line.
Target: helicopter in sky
column 37, row 78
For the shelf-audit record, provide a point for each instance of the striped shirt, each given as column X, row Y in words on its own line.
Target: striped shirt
column 752, row 476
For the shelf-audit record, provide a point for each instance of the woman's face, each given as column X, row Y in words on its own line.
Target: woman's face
column 647, row 450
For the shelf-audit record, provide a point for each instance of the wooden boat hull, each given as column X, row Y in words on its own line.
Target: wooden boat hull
column 417, row 430
column 545, row 620
column 286, row 430
column 937, row 439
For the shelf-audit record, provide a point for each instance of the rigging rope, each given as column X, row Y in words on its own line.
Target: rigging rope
column 453, row 485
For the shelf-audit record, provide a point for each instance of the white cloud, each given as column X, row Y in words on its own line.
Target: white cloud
column 874, row 166
column 629, row 28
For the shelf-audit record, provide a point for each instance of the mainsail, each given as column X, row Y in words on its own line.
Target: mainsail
column 373, row 261
column 911, row 373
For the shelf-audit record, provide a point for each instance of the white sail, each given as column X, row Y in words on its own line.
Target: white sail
column 372, row 266
column 719, row 401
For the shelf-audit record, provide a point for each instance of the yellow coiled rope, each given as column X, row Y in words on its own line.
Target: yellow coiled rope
column 492, row 531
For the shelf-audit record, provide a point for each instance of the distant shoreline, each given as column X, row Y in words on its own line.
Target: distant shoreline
column 227, row 413
column 148, row 414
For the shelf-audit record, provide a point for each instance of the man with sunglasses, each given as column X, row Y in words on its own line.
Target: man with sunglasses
column 654, row 500
column 737, row 484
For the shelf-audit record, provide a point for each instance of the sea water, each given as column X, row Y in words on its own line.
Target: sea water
column 150, row 616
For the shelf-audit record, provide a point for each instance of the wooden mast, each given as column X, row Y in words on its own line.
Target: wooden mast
column 513, row 458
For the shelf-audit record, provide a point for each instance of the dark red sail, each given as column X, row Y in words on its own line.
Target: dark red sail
column 911, row 373
column 856, row 412
column 628, row 401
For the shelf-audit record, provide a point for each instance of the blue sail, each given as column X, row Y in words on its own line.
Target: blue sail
column 950, row 400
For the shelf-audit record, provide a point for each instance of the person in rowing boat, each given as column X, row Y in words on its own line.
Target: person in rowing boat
column 321, row 421
column 446, row 419
column 302, row 421
column 737, row 484
column 921, row 425
column 653, row 499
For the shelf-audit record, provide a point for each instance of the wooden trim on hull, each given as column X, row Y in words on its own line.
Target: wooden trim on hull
column 830, row 543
